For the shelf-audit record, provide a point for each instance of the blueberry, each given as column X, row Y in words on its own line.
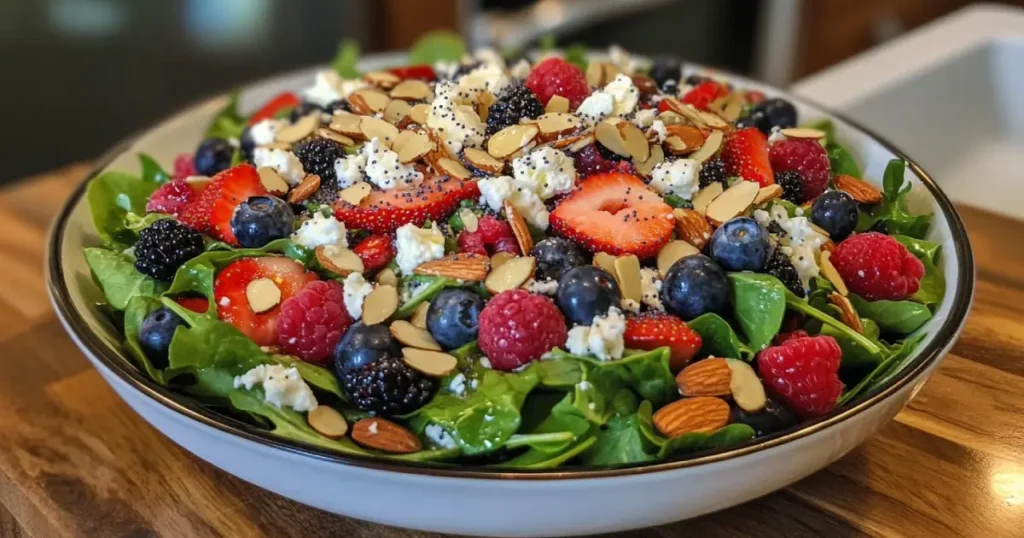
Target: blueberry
column 774, row 417
column 156, row 333
column 740, row 245
column 774, row 112
column 586, row 291
column 246, row 144
column 340, row 105
column 835, row 212
column 666, row 70
column 695, row 285
column 262, row 219
column 756, row 119
column 213, row 155
column 304, row 109
column 555, row 256
column 453, row 318
column 364, row 344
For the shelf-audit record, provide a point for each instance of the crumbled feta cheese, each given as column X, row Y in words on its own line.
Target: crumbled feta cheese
column 624, row 93
column 645, row 118
column 264, row 132
column 453, row 115
column 602, row 339
column 458, row 384
column 659, row 129
column 354, row 291
column 596, row 107
column 800, row 242
column 678, row 177
column 284, row 162
column 545, row 171
column 489, row 55
column 439, row 436
column 349, row 170
column 417, row 245
column 282, row 387
column 650, row 289
column 622, row 59
column 629, row 305
column 445, row 70
column 491, row 74
column 776, row 135
column 495, row 190
column 384, row 169
column 474, row 383
column 321, row 231
column 486, row 363
column 520, row 70
column 329, row 87
column 544, row 287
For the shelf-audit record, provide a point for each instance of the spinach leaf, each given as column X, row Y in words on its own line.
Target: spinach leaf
column 718, row 338
column 536, row 459
column 885, row 370
column 576, row 54
column 426, row 293
column 853, row 353
column 152, row 171
column 208, row 342
column 932, row 286
column 318, row 377
column 563, row 417
column 437, row 46
column 899, row 317
column 760, row 304
column 289, row 423
column 624, row 441
column 228, row 123
column 558, row 374
column 922, row 248
column 134, row 313
column 135, row 223
column 346, row 60
column 725, row 437
column 118, row 278
column 645, row 372
column 870, row 347
column 112, row 196
column 547, row 43
column 892, row 212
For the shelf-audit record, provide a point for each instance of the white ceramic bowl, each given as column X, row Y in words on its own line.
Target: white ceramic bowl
column 476, row 500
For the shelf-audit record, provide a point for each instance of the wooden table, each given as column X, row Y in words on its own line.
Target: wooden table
column 76, row 461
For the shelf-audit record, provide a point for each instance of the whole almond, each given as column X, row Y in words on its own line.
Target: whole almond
column 858, row 189
column 700, row 414
column 692, row 227
column 384, row 435
column 709, row 377
column 471, row 267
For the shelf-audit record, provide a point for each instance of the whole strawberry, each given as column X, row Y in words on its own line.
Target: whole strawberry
column 876, row 266
column 556, row 76
column 654, row 330
column 517, row 327
column 312, row 321
column 805, row 156
column 804, row 372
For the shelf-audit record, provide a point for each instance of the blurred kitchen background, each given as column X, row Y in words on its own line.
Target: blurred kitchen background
column 80, row 75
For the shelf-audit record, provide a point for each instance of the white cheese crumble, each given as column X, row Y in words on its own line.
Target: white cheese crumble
column 354, row 291
column 486, row 363
column 417, row 245
column 284, row 162
column 491, row 74
column 800, row 241
column 329, row 87
column 321, row 231
column 645, row 118
column 453, row 115
column 520, row 70
column 282, row 387
column 776, row 135
column 596, row 107
column 439, row 436
column 624, row 94
column 457, row 385
column 629, row 305
column 545, row 171
column 544, row 287
column 603, row 339
column 678, row 177
column 650, row 289
column 349, row 170
column 495, row 190
column 659, row 129
column 385, row 170
column 264, row 132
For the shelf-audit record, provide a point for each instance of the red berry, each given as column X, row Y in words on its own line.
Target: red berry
column 492, row 229
column 212, row 210
column 654, row 330
column 704, row 93
column 804, row 372
column 745, row 154
column 384, row 212
column 376, row 251
column 196, row 304
column 312, row 321
column 754, row 96
column 506, row 244
column 782, row 338
column 183, row 166
column 229, row 291
column 280, row 102
column 806, row 157
column 421, row 72
column 517, row 327
column 589, row 161
column 556, row 76
column 172, row 197
column 876, row 266
column 472, row 243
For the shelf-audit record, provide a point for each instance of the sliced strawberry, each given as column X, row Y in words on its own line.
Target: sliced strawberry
column 229, row 290
column 196, row 304
column 211, row 212
column 704, row 93
column 172, row 197
column 615, row 213
column 422, row 72
column 745, row 154
column 384, row 212
column 654, row 330
column 376, row 251
column 281, row 102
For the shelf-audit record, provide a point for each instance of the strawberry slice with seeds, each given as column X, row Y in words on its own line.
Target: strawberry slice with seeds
column 654, row 330
column 375, row 251
column 615, row 213
column 211, row 212
column 229, row 290
column 383, row 212
column 745, row 154
column 704, row 93
column 279, row 103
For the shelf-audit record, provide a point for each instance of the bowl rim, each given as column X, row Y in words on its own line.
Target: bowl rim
column 74, row 322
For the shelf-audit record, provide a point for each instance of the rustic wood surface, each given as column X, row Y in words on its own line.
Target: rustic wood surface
column 76, row 461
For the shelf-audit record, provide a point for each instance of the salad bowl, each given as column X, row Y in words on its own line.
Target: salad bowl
column 477, row 497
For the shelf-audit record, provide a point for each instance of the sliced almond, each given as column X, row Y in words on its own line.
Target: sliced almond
column 380, row 304
column 440, row 149
column 413, row 336
column 481, row 160
column 335, row 136
column 830, row 273
column 500, row 258
column 691, row 138
column 627, row 273
column 858, row 189
column 700, row 414
column 402, row 139
column 595, row 74
column 732, row 110
column 327, row 421
column 300, row 129
column 510, row 275
column 416, row 147
column 557, row 103
column 200, row 182
column 338, row 260
column 767, row 194
column 733, row 202
column 379, row 129
column 348, row 125
column 470, row 222
column 387, row 276
column 746, row 388
column 710, row 147
column 711, row 119
column 453, row 168
column 411, row 90
column 554, row 124
column 708, row 377
column 419, row 316
column 656, row 157
column 419, row 113
column 669, row 117
column 605, row 261
column 382, row 79
column 396, row 111
column 609, row 136
column 672, row 252
column 847, row 314
column 819, row 229
column 804, row 132
column 581, row 142
column 483, row 104
column 706, row 195
column 428, row 362
column 262, row 295
column 306, row 188
column 386, row 436
column 272, row 181
column 469, row 267
column 519, row 228
column 692, row 227
column 511, row 139
column 356, row 193
column 636, row 142
column 368, row 101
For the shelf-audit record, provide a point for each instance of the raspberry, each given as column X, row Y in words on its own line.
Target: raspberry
column 492, row 229
column 876, row 266
column 491, row 234
column 506, row 244
column 376, row 251
column 312, row 321
column 589, row 161
column 472, row 243
column 183, row 166
column 804, row 372
column 806, row 157
column 782, row 338
column 165, row 246
column 517, row 327
column 556, row 76
column 171, row 198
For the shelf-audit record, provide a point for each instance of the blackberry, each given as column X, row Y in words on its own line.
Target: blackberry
column 387, row 387
column 165, row 246
column 317, row 156
column 341, row 105
column 713, row 171
column 792, row 185
column 781, row 268
column 514, row 103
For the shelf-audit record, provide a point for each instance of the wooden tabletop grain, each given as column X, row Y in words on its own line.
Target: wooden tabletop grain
column 76, row 461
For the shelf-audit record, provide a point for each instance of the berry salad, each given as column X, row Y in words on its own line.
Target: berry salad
column 487, row 260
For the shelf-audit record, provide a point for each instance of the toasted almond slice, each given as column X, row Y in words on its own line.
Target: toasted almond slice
column 519, row 228
column 278, row 145
column 732, row 110
column 356, row 193
column 672, row 252
column 272, row 181
column 453, row 168
column 368, row 101
column 554, row 124
column 416, row 147
column 200, row 182
column 327, row 421
column 692, row 227
column 481, row 160
column 380, row 304
column 469, row 267
column 324, row 132
column 500, row 258
column 309, row 185
column 348, row 125
column 691, row 136
column 718, row 105
column 510, row 275
column 411, row 90
column 470, row 222
column 847, row 314
column 710, row 147
column 733, row 202
column 647, row 167
column 712, row 120
column 419, row 113
column 300, row 129
column 511, row 139
column 858, row 189
column 830, row 273
column 636, row 142
column 379, row 129
column 746, row 388
column 262, row 295
column 700, row 414
column 595, row 74
column 803, row 132
column 386, row 436
column 428, row 362
column 627, row 272
column 557, row 103
column 382, row 79
column 608, row 135
column 402, row 139
column 676, row 146
column 605, row 261
column 706, row 195
column 396, row 111
column 483, row 104
column 338, row 260
column 669, row 117
column 767, row 194
column 413, row 336
column 387, row 276
column 419, row 316
column 440, row 150
column 580, row 142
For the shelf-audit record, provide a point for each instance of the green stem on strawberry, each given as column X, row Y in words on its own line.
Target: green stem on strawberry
column 798, row 304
